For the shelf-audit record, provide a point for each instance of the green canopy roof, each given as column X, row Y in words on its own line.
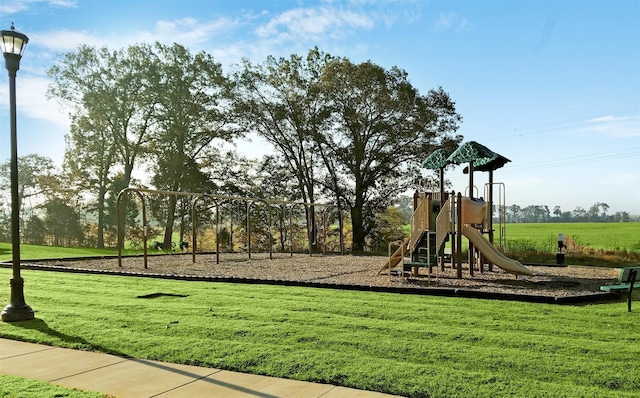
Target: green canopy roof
column 437, row 160
column 488, row 164
column 472, row 152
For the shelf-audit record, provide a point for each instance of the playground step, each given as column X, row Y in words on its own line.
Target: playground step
column 415, row 264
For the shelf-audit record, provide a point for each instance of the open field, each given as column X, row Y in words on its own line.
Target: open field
column 30, row 252
column 599, row 236
column 410, row 345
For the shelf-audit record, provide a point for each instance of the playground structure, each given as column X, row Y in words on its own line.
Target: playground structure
column 215, row 200
column 439, row 217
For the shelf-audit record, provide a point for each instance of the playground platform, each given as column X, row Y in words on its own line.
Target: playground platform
column 126, row 377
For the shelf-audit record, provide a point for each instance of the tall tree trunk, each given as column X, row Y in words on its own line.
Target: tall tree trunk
column 311, row 228
column 168, row 227
column 282, row 220
column 182, row 221
column 357, row 222
column 128, row 169
column 101, row 209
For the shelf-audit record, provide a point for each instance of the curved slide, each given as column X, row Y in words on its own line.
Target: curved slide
column 492, row 253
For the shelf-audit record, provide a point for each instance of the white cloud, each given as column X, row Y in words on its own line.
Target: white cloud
column 65, row 40
column 622, row 179
column 191, row 31
column 298, row 26
column 230, row 54
column 31, row 101
column 64, row 3
column 33, row 91
column 312, row 23
column 445, row 21
column 12, row 7
column 621, row 127
column 601, row 119
column 464, row 25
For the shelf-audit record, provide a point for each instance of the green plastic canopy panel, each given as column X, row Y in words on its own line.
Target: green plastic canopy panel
column 437, row 160
column 488, row 164
column 471, row 151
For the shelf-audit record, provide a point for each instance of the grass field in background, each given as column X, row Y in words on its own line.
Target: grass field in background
column 409, row 345
column 32, row 252
column 599, row 236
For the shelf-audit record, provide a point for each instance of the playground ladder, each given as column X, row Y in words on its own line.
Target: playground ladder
column 419, row 222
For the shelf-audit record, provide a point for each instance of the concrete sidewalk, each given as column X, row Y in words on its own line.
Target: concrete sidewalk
column 122, row 377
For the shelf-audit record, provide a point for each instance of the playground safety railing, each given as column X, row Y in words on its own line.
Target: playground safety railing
column 419, row 222
column 396, row 243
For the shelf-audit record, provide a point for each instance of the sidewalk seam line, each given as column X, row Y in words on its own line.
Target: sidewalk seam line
column 91, row 370
column 327, row 392
column 187, row 383
column 28, row 353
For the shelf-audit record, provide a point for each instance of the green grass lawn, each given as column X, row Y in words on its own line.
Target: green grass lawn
column 409, row 345
column 19, row 387
column 35, row 252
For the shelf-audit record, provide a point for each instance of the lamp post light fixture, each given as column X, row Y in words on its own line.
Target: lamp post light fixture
column 13, row 44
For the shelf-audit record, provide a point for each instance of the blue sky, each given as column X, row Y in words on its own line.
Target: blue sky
column 552, row 85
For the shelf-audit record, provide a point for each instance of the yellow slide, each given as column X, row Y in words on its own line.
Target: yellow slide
column 492, row 253
column 396, row 257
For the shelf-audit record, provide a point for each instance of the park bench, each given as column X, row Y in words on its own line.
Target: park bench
column 626, row 282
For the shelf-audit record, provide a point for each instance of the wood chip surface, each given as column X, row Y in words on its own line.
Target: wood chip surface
column 359, row 270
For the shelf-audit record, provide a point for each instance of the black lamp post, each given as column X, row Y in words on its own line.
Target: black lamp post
column 13, row 44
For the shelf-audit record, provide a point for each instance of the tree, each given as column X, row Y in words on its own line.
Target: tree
column 35, row 231
column 33, row 172
column 622, row 216
column 579, row 214
column 404, row 203
column 281, row 101
column 63, row 223
column 543, row 213
column 190, row 114
column 114, row 88
column 276, row 181
column 514, row 213
column 234, row 175
column 111, row 93
column 594, row 212
column 535, row 213
column 89, row 158
column 129, row 211
column 5, row 222
column 528, row 213
column 560, row 216
column 379, row 131
column 388, row 228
